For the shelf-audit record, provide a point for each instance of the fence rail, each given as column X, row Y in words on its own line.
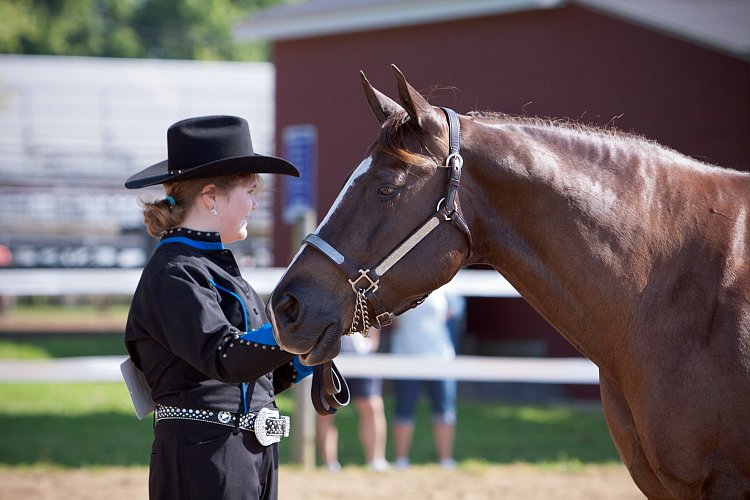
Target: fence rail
column 20, row 282
column 386, row 366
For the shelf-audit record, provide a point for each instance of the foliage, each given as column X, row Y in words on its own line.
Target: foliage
column 170, row 29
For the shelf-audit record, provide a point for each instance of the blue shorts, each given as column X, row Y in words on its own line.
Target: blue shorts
column 364, row 387
column 442, row 394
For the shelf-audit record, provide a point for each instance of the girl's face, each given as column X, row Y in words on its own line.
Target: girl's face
column 233, row 209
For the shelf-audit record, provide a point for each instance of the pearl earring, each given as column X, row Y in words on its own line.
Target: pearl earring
column 213, row 211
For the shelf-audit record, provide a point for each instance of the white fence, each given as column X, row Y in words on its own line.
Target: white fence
column 18, row 282
column 387, row 366
column 475, row 283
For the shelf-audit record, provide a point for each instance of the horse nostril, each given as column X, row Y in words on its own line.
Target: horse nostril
column 287, row 309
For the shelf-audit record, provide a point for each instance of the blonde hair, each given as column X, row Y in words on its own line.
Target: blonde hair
column 160, row 215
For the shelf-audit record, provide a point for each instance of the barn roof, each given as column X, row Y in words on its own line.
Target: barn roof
column 719, row 24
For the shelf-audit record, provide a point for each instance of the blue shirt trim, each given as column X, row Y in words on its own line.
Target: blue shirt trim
column 302, row 370
column 262, row 335
column 239, row 299
column 244, row 385
column 201, row 245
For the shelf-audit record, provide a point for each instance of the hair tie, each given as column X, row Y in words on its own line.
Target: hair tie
column 170, row 200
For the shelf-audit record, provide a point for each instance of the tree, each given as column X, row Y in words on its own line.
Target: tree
column 186, row 29
column 19, row 23
column 173, row 29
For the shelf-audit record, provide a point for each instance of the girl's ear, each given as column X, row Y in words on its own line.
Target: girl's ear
column 208, row 196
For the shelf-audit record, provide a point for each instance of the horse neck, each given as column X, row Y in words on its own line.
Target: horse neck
column 549, row 204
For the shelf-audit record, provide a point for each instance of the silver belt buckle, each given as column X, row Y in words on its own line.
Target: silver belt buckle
column 279, row 427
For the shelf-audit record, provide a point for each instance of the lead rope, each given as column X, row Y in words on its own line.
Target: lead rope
column 329, row 389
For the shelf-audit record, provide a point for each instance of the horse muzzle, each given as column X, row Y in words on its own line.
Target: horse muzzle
column 318, row 342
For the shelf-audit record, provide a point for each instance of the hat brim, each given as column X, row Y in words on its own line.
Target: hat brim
column 259, row 164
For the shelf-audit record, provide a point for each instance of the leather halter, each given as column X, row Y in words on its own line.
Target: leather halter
column 364, row 282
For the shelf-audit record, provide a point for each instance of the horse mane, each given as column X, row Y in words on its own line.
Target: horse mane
column 392, row 141
column 606, row 132
column 560, row 123
column 398, row 126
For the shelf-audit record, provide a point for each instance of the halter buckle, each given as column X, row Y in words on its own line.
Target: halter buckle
column 384, row 319
column 454, row 156
column 372, row 287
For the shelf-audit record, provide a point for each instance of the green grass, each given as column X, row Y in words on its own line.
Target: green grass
column 91, row 308
column 37, row 346
column 535, row 434
column 70, row 425
column 93, row 424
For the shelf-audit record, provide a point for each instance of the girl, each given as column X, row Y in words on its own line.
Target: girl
column 196, row 328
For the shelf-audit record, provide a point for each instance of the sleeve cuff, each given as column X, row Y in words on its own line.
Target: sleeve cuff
column 262, row 335
column 302, row 371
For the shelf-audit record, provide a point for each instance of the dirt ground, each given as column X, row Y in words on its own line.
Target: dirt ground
column 417, row 483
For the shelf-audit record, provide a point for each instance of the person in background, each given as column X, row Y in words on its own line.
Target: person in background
column 196, row 329
column 456, row 319
column 423, row 331
column 367, row 395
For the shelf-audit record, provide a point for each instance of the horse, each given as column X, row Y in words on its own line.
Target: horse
column 636, row 254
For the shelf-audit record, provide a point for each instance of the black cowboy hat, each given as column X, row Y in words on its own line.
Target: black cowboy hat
column 209, row 146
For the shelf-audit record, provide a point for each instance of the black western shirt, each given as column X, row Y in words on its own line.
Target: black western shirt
column 184, row 329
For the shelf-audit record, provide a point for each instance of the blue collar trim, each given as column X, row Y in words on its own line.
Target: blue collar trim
column 201, row 245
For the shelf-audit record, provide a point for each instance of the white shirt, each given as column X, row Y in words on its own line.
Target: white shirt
column 423, row 330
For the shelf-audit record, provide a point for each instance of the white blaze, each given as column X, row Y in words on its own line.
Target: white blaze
column 360, row 170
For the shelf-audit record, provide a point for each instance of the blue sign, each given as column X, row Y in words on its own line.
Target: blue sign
column 300, row 148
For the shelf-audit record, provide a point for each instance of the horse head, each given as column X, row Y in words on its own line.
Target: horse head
column 388, row 240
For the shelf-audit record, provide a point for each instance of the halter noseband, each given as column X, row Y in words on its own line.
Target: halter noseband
column 364, row 282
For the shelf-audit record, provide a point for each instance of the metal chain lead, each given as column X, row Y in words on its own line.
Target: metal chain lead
column 360, row 312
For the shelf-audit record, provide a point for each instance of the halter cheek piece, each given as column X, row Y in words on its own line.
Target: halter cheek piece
column 364, row 282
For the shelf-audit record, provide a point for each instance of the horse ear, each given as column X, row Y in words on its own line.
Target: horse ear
column 382, row 105
column 415, row 105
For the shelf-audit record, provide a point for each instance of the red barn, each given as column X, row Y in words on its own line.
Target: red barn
column 677, row 71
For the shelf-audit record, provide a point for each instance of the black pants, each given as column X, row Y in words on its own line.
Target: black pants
column 203, row 461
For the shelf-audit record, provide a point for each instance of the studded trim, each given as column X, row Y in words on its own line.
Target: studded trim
column 230, row 341
column 205, row 235
column 267, row 424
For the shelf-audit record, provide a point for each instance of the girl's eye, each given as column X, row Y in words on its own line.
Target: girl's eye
column 387, row 190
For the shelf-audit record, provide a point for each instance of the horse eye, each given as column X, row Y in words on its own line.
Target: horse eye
column 387, row 190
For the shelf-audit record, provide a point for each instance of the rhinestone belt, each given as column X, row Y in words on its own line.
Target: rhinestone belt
column 268, row 425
